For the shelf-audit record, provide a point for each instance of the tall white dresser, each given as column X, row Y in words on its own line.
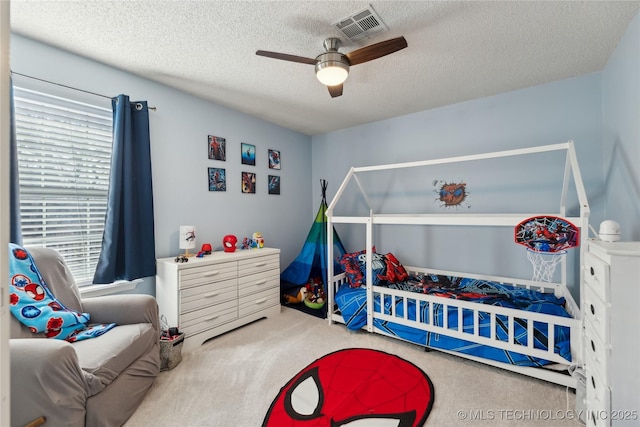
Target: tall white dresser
column 209, row 296
column 611, row 326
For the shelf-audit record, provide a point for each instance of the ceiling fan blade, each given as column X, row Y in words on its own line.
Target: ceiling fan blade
column 375, row 51
column 286, row 57
column 335, row 90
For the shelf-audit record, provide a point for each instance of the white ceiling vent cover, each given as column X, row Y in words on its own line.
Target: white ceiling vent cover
column 361, row 25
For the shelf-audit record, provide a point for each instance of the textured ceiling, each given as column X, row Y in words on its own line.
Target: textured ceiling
column 458, row 50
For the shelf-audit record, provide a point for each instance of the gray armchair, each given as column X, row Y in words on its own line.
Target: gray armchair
column 95, row 382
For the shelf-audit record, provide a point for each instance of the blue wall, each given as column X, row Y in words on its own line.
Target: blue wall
column 621, row 142
column 179, row 130
column 541, row 115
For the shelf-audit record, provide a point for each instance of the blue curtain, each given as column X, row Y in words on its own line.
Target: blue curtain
column 128, row 244
column 15, row 232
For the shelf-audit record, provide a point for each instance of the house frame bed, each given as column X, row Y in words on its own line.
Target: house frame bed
column 461, row 306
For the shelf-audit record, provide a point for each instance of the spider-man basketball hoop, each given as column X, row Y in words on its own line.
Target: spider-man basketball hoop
column 547, row 239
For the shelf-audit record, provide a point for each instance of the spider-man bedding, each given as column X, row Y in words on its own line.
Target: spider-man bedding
column 352, row 302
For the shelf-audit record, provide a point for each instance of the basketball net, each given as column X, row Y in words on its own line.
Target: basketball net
column 544, row 264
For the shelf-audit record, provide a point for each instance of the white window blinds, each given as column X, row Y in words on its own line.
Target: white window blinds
column 64, row 160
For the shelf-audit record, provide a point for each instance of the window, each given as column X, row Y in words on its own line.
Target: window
column 64, row 161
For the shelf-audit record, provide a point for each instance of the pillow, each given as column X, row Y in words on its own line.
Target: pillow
column 351, row 265
column 385, row 268
column 394, row 270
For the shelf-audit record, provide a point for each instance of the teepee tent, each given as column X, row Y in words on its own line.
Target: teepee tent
column 311, row 262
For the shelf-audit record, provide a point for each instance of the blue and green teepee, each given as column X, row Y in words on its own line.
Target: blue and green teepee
column 312, row 260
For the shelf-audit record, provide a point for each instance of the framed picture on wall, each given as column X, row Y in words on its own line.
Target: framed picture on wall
column 217, row 179
column 274, row 159
column 274, row 184
column 217, row 148
column 248, row 154
column 248, row 182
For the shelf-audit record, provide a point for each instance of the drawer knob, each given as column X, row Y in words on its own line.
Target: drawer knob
column 260, row 264
column 592, row 271
column 260, row 301
column 211, row 294
column 593, row 309
column 211, row 318
column 211, row 273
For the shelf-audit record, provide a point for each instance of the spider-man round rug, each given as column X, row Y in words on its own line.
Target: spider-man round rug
column 354, row 387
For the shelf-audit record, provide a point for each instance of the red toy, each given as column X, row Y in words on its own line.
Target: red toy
column 229, row 243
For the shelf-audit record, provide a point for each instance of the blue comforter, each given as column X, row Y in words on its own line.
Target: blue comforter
column 352, row 305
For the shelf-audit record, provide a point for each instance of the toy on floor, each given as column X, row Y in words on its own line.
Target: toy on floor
column 298, row 298
column 315, row 293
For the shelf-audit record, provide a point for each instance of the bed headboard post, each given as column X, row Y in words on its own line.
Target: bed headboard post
column 369, row 269
column 584, row 213
column 329, row 285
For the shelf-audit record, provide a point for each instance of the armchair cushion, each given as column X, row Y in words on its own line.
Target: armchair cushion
column 104, row 358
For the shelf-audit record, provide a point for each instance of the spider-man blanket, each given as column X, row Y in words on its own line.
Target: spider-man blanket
column 33, row 304
column 352, row 303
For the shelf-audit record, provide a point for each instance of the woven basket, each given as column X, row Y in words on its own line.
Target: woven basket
column 171, row 352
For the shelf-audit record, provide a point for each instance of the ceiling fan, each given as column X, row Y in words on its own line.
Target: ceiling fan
column 332, row 67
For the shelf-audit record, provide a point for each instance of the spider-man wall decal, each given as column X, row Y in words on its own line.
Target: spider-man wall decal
column 349, row 387
column 451, row 193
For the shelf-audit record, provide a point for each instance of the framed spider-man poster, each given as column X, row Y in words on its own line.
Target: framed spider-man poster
column 248, row 182
column 217, row 148
column 217, row 179
column 248, row 152
column 274, row 184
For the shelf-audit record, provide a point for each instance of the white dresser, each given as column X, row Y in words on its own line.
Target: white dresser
column 611, row 325
column 208, row 296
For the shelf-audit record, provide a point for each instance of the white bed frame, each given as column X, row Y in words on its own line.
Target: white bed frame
column 507, row 220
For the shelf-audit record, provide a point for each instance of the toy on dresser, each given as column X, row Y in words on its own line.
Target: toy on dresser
column 258, row 241
column 255, row 242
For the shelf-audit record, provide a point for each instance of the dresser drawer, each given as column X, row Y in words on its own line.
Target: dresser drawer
column 597, row 313
column 205, row 295
column 599, row 353
column 259, row 301
column 258, row 282
column 596, row 275
column 598, row 398
column 209, row 317
column 203, row 274
column 258, row 264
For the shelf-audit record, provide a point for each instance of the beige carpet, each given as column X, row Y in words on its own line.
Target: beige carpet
column 231, row 380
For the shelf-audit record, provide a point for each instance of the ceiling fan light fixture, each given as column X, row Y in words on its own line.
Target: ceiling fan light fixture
column 331, row 69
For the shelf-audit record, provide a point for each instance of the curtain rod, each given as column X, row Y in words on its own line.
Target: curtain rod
column 69, row 87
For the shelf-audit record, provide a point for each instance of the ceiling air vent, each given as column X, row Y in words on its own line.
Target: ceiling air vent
column 361, row 25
